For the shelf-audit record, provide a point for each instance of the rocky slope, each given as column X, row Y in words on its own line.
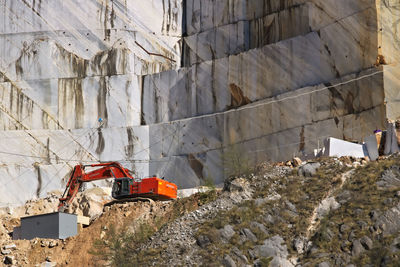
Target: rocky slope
column 334, row 212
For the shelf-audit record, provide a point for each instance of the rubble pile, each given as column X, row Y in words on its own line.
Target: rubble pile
column 280, row 217
column 90, row 202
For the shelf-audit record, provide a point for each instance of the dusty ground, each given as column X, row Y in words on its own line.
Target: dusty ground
column 74, row 251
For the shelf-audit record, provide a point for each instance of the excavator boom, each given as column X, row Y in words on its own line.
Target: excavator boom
column 124, row 186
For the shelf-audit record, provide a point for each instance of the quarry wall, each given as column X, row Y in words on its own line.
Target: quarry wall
column 182, row 86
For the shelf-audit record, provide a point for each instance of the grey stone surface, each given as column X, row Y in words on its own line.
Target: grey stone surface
column 357, row 248
column 366, row 242
column 389, row 222
column 391, row 145
column 299, row 244
column 259, row 227
column 239, row 254
column 53, row 225
column 227, row 232
column 309, row 169
column 249, row 235
column 203, row 241
column 274, row 247
column 228, row 261
column 326, row 205
column 234, row 38
column 390, row 178
column 372, row 147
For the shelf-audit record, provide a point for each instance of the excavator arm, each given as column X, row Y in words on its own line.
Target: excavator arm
column 79, row 176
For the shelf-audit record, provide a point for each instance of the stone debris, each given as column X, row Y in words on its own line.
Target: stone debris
column 309, row 169
column 366, row 242
column 203, row 241
column 228, row 261
column 90, row 202
column 53, row 243
column 249, row 235
column 297, row 162
column 357, row 248
column 10, row 246
column 227, row 232
column 5, row 251
column 9, row 260
column 390, row 179
column 274, row 247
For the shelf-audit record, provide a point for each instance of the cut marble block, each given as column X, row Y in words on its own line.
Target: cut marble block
column 339, row 148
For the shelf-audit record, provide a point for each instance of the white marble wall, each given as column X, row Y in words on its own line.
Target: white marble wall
column 335, row 50
column 294, row 124
column 190, row 151
column 70, row 103
column 231, row 27
column 64, row 64
column 234, row 38
column 204, row 15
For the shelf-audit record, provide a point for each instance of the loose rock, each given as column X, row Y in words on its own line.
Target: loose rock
column 249, row 235
column 203, row 241
column 323, row 264
column 228, row 261
column 227, row 232
column 8, row 260
column 297, row 162
column 357, row 248
column 6, row 251
column 366, row 242
column 309, row 169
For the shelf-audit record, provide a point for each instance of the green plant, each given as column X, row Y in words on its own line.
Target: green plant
column 235, row 162
column 209, row 182
column 264, row 262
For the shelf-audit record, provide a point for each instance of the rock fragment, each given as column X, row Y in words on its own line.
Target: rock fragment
column 366, row 242
column 227, row 232
column 9, row 260
column 203, row 241
column 309, row 169
column 357, row 248
column 228, row 261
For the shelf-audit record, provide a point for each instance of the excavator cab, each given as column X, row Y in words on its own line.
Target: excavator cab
column 121, row 187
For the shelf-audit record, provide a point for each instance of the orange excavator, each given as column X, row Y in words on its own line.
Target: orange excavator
column 125, row 186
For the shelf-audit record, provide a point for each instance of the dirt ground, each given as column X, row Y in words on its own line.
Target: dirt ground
column 74, row 251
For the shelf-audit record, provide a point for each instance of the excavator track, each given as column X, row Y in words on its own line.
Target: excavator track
column 127, row 200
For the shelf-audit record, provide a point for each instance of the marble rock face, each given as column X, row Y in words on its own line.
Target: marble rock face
column 182, row 87
column 64, row 64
